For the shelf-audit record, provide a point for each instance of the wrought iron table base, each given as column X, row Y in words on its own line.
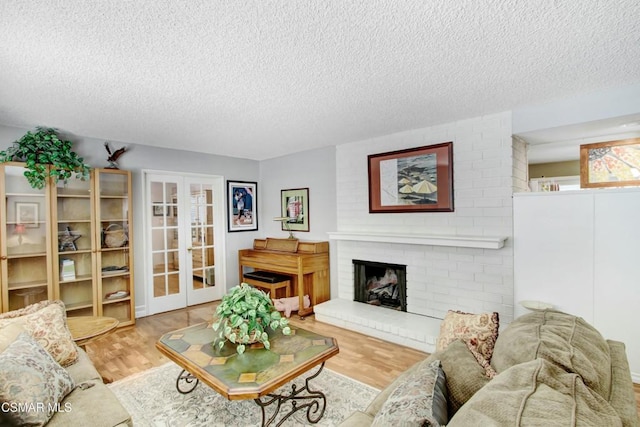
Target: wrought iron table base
column 314, row 401
column 189, row 382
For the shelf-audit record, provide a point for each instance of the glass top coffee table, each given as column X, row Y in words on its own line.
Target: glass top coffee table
column 257, row 373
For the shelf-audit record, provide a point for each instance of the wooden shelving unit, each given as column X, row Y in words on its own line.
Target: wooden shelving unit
column 25, row 240
column 71, row 222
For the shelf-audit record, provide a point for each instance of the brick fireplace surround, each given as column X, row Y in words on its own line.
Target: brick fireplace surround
column 420, row 325
column 461, row 260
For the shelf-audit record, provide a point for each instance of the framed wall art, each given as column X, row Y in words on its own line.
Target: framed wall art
column 412, row 180
column 242, row 206
column 295, row 207
column 158, row 210
column 27, row 214
column 610, row 164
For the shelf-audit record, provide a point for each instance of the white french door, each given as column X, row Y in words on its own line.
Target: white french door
column 185, row 238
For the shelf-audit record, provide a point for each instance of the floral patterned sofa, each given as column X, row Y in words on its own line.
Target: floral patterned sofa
column 45, row 378
column 546, row 368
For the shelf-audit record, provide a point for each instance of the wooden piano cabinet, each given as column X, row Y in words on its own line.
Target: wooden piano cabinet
column 306, row 263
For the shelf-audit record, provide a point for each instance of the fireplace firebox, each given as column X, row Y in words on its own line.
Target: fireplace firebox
column 380, row 284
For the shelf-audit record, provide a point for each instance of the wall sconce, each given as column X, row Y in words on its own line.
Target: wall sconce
column 19, row 230
column 285, row 220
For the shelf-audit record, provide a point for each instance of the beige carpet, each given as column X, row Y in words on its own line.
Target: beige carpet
column 152, row 399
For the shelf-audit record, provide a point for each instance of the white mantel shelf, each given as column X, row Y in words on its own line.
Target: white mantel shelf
column 482, row 242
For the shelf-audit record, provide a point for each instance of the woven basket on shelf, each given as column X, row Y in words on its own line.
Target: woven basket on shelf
column 115, row 236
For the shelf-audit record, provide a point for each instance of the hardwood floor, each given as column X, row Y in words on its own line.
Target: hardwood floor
column 372, row 361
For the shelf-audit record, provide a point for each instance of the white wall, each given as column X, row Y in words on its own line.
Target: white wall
column 140, row 157
column 582, row 108
column 314, row 169
column 466, row 279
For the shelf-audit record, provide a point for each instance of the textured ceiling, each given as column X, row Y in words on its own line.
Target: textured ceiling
column 259, row 79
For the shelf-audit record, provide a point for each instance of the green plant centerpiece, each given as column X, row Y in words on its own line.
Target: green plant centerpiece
column 243, row 317
column 41, row 148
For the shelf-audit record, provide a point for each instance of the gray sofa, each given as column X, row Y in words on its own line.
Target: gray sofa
column 552, row 369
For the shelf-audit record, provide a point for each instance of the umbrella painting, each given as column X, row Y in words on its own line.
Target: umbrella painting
column 413, row 180
column 409, row 180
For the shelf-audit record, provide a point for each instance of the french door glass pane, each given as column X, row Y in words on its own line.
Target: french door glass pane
column 201, row 211
column 164, row 238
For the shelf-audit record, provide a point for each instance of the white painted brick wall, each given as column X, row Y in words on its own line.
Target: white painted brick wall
column 440, row 278
column 520, row 165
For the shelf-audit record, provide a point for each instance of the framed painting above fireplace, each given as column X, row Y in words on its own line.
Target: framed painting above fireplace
column 412, row 180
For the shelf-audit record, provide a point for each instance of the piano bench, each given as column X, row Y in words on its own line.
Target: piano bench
column 270, row 281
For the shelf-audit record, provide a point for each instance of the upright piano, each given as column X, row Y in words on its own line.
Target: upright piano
column 306, row 262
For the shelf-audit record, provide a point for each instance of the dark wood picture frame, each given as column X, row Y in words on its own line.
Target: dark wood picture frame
column 242, row 206
column 295, row 205
column 610, row 164
column 412, row 180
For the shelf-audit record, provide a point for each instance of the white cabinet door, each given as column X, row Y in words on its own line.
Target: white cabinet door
column 617, row 276
column 553, row 251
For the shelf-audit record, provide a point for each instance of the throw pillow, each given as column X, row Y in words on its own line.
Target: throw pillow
column 480, row 330
column 31, row 309
column 421, row 400
column 32, row 384
column 464, row 375
column 49, row 328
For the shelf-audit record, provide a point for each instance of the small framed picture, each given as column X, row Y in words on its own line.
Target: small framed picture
column 295, row 207
column 242, row 206
column 158, row 210
column 27, row 214
column 610, row 164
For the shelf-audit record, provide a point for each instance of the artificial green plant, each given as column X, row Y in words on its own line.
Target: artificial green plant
column 245, row 312
column 41, row 148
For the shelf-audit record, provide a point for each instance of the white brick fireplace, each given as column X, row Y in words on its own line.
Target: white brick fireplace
column 461, row 260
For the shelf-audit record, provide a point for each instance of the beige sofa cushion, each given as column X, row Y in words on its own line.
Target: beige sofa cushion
column 47, row 323
column 84, row 369
column 90, row 390
column 622, row 398
column 9, row 333
column 536, row 393
column 566, row 340
column 357, row 419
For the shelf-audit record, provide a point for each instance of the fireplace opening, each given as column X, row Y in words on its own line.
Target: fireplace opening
column 380, row 284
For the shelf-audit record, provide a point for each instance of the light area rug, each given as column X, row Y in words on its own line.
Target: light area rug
column 152, row 400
